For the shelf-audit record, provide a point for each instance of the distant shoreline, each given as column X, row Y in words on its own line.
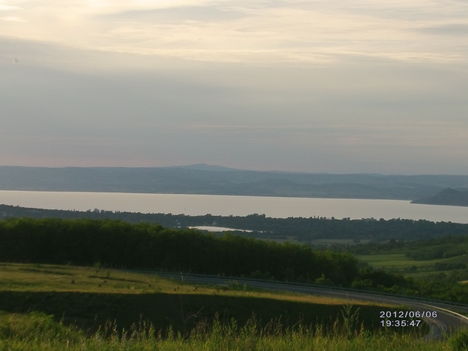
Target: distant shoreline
column 215, row 180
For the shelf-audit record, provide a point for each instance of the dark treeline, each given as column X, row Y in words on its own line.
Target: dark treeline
column 297, row 228
column 149, row 246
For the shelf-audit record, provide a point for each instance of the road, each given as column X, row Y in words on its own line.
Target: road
column 449, row 316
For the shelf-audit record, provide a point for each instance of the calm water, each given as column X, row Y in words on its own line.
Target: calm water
column 234, row 205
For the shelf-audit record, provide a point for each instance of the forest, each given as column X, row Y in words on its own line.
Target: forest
column 119, row 244
column 304, row 230
column 150, row 246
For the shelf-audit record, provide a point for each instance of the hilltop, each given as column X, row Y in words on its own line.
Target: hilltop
column 447, row 196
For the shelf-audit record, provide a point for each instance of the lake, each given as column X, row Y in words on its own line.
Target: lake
column 234, row 205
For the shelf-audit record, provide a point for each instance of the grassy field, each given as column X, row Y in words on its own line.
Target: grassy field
column 90, row 296
column 59, row 307
column 22, row 277
column 39, row 332
column 419, row 259
column 400, row 263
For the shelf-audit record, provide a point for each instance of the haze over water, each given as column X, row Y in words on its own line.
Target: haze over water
column 280, row 207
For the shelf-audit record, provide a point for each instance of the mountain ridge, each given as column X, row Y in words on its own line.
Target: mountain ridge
column 219, row 180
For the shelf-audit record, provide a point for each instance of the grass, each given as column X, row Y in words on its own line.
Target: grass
column 90, row 296
column 399, row 262
column 63, row 278
column 424, row 258
column 59, row 307
column 39, row 332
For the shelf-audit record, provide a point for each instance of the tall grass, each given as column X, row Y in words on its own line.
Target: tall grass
column 39, row 332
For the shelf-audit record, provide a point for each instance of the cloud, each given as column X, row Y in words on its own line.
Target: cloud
column 285, row 117
column 8, row 7
column 447, row 29
column 12, row 19
column 177, row 14
column 252, row 32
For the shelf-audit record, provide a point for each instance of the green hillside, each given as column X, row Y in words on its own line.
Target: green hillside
column 420, row 258
column 91, row 296
column 63, row 307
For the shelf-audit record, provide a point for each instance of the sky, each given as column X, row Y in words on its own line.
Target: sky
column 339, row 86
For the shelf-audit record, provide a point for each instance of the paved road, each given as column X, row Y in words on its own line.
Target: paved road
column 449, row 317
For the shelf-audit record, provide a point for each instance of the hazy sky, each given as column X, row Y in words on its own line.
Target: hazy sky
column 319, row 86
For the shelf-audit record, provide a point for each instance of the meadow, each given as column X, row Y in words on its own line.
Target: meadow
column 91, row 296
column 37, row 332
column 401, row 263
column 63, row 307
column 425, row 259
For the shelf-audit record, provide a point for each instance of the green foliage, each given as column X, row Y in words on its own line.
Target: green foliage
column 425, row 249
column 33, row 326
column 443, row 287
column 216, row 336
column 433, row 268
column 350, row 321
column 446, row 250
column 108, row 243
column 459, row 342
column 150, row 246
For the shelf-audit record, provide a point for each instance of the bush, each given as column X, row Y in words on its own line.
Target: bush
column 35, row 326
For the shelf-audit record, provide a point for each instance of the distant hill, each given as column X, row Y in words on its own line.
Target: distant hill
column 446, row 197
column 205, row 167
column 207, row 179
